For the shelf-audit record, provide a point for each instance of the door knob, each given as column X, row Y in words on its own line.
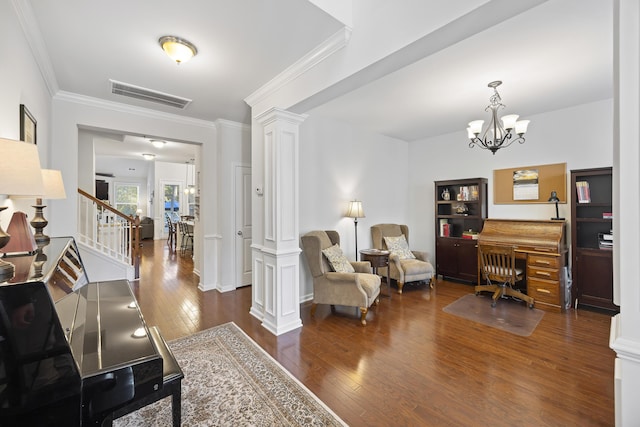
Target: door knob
column 239, row 233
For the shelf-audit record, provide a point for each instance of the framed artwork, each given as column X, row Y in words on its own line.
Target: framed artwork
column 27, row 125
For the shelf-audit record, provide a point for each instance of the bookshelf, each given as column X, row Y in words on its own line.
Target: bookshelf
column 592, row 238
column 460, row 211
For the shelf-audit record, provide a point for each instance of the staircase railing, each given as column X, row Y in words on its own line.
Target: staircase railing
column 108, row 230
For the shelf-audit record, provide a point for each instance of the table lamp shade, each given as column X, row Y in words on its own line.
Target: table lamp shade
column 53, row 184
column 20, row 169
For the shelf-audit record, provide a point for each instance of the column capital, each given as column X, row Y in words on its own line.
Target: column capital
column 274, row 113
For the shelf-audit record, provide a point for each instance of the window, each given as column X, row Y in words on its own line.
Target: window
column 126, row 196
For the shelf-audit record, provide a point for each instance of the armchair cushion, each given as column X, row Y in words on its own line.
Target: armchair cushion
column 399, row 247
column 339, row 263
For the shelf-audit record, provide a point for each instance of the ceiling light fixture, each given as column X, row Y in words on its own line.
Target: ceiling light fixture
column 149, row 156
column 178, row 49
column 158, row 143
column 497, row 135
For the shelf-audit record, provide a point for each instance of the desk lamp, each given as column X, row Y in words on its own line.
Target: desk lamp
column 19, row 176
column 355, row 211
column 554, row 198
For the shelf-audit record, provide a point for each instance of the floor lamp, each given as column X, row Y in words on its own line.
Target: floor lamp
column 19, row 176
column 355, row 211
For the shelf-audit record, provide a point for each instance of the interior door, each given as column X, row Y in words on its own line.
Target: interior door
column 243, row 225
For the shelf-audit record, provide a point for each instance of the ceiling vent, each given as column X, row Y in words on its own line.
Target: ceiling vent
column 138, row 92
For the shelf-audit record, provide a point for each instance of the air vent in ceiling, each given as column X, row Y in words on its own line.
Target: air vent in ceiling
column 145, row 94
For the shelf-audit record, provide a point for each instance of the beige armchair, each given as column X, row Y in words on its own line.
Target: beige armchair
column 357, row 289
column 402, row 269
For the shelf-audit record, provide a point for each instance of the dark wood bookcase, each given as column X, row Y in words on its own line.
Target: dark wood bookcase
column 591, row 223
column 464, row 212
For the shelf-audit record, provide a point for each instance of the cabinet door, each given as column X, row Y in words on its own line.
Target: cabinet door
column 468, row 260
column 594, row 279
column 446, row 257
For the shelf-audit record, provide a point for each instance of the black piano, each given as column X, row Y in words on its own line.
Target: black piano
column 72, row 352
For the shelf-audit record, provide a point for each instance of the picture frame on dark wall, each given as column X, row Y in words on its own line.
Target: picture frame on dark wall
column 27, row 125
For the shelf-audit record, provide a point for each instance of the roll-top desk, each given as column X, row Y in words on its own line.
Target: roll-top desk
column 542, row 245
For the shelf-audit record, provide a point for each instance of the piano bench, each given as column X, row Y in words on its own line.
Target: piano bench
column 172, row 376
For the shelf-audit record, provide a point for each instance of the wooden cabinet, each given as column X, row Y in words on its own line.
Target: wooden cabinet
column 460, row 211
column 591, row 239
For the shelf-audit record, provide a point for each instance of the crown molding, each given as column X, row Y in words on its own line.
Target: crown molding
column 130, row 109
column 232, row 124
column 31, row 32
column 304, row 64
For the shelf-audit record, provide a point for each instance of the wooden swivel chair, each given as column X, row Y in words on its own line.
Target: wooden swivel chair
column 498, row 268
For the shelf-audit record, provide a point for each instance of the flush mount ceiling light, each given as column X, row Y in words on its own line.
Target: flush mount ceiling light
column 149, row 156
column 497, row 135
column 178, row 49
column 158, row 143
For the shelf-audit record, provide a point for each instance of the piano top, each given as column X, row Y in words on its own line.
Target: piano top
column 545, row 236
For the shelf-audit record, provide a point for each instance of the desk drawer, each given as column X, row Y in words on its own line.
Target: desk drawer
column 543, row 261
column 543, row 273
column 545, row 291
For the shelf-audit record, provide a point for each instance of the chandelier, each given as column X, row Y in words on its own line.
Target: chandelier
column 497, row 135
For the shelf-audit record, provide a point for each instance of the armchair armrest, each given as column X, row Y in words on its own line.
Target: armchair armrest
column 362, row 266
column 422, row 256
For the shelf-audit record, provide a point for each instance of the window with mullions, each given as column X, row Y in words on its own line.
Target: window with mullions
column 126, row 196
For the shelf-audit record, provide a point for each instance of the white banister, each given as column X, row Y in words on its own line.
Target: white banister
column 106, row 230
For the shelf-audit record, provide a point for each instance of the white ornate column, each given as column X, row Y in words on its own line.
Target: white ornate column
column 279, row 286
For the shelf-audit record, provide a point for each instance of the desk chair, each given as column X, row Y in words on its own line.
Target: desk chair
column 498, row 264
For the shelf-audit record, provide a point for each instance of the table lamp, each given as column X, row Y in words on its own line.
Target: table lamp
column 355, row 211
column 53, row 189
column 554, row 198
column 19, row 176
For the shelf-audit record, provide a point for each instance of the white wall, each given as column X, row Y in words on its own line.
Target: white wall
column 21, row 83
column 581, row 137
column 339, row 163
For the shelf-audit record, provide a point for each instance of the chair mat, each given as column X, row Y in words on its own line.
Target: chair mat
column 508, row 314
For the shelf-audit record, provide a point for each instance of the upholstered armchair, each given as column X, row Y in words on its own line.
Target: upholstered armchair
column 147, row 230
column 405, row 265
column 357, row 287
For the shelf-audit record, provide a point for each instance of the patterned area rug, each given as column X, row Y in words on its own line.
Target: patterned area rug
column 508, row 314
column 231, row 381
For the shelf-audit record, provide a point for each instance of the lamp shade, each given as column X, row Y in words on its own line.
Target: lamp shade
column 53, row 184
column 355, row 209
column 20, row 169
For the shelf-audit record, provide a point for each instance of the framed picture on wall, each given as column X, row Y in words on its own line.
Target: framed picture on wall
column 27, row 125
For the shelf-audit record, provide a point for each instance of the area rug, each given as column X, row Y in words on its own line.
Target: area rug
column 508, row 314
column 231, row 381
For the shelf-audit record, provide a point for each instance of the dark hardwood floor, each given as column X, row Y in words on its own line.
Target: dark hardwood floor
column 413, row 364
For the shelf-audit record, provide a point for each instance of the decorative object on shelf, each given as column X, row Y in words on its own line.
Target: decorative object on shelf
column 446, row 195
column 497, row 135
column 355, row 211
column 53, row 189
column 27, row 126
column 19, row 176
column 180, row 50
column 460, row 209
column 554, row 199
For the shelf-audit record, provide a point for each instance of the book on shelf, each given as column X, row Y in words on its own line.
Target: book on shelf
column 605, row 240
column 582, row 190
column 444, row 224
column 473, row 235
column 607, row 215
